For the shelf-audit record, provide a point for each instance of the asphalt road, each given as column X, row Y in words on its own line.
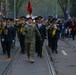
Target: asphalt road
column 65, row 60
column 4, row 60
column 22, row 67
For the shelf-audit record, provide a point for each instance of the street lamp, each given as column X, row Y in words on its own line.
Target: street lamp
column 46, row 8
column 14, row 9
column 6, row 8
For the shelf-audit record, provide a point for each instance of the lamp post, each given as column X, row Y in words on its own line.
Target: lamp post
column 14, row 9
column 46, row 8
column 6, row 8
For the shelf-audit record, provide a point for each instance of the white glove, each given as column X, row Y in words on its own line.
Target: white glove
column 13, row 40
column 2, row 40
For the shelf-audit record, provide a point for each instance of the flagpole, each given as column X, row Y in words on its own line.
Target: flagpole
column 6, row 8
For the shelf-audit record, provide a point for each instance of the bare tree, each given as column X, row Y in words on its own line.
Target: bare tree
column 74, row 5
column 63, row 4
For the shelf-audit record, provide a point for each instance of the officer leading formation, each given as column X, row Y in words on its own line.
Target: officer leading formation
column 29, row 32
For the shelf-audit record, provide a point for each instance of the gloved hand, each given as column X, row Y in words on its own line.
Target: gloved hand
column 2, row 40
column 13, row 40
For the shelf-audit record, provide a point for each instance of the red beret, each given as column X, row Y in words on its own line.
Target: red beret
column 29, row 18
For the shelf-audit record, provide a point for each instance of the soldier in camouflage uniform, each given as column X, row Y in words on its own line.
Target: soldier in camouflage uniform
column 29, row 32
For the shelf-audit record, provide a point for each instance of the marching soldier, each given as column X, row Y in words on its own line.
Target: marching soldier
column 42, row 29
column 3, row 24
column 50, row 35
column 55, row 36
column 14, row 27
column 29, row 32
column 20, row 28
column 8, row 35
column 49, row 31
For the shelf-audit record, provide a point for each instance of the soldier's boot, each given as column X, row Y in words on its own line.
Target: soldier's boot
column 56, row 51
column 31, row 60
column 8, row 55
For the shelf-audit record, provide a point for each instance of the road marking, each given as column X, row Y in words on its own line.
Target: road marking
column 71, row 46
column 64, row 52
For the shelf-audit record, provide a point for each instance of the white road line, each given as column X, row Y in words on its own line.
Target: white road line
column 64, row 52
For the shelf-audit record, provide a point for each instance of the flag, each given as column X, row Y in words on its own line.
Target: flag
column 29, row 7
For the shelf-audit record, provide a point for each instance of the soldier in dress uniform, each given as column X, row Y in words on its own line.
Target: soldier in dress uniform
column 14, row 27
column 42, row 29
column 49, row 31
column 8, row 35
column 2, row 25
column 55, row 36
column 20, row 28
column 50, row 35
column 29, row 32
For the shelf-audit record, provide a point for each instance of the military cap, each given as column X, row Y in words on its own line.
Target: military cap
column 9, row 19
column 22, row 17
column 4, row 19
column 36, row 18
column 49, row 17
column 54, row 19
column 39, row 17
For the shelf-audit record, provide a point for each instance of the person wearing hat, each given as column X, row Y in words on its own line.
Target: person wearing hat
column 42, row 30
column 14, row 27
column 30, row 30
column 54, row 36
column 20, row 28
column 2, row 26
column 8, row 35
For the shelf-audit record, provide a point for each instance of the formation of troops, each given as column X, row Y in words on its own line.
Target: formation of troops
column 32, row 33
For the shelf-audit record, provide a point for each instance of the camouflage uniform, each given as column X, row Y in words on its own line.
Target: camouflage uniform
column 30, row 32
